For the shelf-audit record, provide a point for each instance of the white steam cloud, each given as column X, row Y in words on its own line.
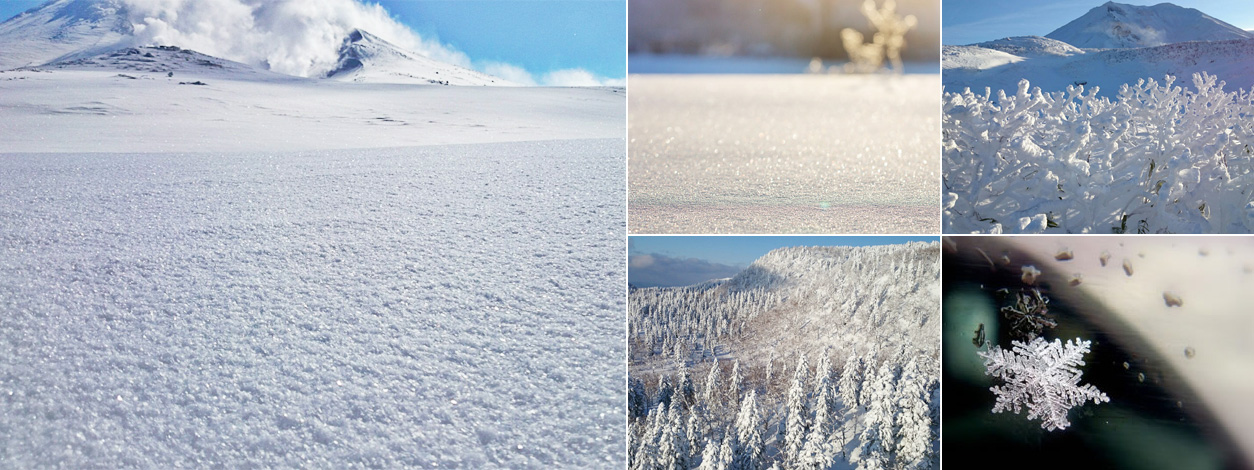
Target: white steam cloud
column 301, row 37
column 564, row 77
column 296, row 37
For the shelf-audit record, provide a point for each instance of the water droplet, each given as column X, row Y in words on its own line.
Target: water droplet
column 1064, row 255
column 1126, row 366
column 1172, row 299
column 1127, row 267
column 1189, row 352
column 1140, row 376
column 1105, row 257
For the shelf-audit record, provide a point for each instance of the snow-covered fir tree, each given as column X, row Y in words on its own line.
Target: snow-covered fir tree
column 749, row 435
column 709, row 457
column 913, row 424
column 816, row 453
column 878, row 441
column 735, row 384
column 797, row 415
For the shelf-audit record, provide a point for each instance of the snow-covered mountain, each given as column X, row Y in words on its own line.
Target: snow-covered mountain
column 365, row 57
column 64, row 32
column 1109, row 46
column 163, row 60
column 1116, row 25
column 63, row 29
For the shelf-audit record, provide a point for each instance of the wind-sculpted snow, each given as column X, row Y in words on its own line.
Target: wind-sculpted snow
column 1159, row 158
column 451, row 307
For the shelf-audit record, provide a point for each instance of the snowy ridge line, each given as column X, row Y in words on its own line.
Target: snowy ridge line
column 1156, row 159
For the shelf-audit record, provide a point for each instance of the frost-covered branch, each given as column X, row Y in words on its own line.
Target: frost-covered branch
column 1158, row 158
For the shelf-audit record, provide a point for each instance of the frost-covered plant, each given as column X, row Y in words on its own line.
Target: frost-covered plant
column 1157, row 158
column 886, row 43
column 1043, row 377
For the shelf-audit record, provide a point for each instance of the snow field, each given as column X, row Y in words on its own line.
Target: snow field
column 51, row 110
column 783, row 153
column 448, row 306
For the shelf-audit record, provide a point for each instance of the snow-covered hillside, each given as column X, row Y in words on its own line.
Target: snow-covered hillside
column 1117, row 25
column 800, row 300
column 993, row 66
column 873, row 309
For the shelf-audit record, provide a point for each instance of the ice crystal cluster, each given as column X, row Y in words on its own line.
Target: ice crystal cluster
column 1043, row 377
column 1157, row 158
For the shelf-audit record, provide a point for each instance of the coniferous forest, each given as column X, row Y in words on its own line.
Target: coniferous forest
column 810, row 358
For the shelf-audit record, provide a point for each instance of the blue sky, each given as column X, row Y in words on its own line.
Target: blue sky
column 972, row 21
column 684, row 260
column 538, row 35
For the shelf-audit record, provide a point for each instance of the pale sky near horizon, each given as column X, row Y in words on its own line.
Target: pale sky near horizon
column 971, row 21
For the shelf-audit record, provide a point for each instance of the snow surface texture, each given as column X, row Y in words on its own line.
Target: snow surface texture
column 1043, row 377
column 782, row 154
column 446, row 306
column 1114, row 25
column 1158, row 159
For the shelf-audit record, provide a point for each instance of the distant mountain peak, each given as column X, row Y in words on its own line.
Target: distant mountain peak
column 1118, row 25
column 364, row 57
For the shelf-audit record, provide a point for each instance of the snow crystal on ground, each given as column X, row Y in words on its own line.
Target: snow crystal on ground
column 783, row 153
column 449, row 306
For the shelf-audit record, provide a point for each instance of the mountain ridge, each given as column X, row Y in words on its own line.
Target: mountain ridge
column 1117, row 25
column 67, row 32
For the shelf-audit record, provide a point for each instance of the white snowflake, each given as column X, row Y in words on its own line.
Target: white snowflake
column 1042, row 376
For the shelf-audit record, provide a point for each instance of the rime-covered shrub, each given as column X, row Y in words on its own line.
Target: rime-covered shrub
column 1158, row 158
